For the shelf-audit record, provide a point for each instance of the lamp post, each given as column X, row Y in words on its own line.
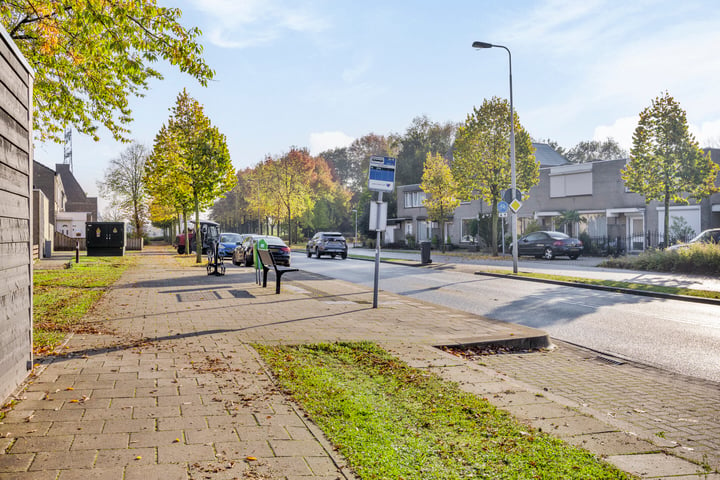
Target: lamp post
column 355, row 237
column 512, row 152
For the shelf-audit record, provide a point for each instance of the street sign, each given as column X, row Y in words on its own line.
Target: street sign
column 507, row 195
column 502, row 206
column 381, row 175
column 515, row 205
column 502, row 214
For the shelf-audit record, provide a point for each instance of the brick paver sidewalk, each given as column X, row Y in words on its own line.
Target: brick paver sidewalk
column 173, row 389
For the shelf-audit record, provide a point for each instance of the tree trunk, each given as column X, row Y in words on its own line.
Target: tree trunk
column 198, row 232
column 493, row 227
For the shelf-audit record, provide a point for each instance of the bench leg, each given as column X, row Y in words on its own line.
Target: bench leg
column 278, row 276
column 265, row 272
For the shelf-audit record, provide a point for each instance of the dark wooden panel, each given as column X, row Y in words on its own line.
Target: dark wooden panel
column 14, row 63
column 13, row 157
column 15, row 295
column 13, row 255
column 14, row 206
column 14, row 132
column 10, row 103
column 14, row 84
column 13, row 181
column 14, row 230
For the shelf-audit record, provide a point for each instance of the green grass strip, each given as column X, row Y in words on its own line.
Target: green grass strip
column 62, row 297
column 616, row 284
column 392, row 421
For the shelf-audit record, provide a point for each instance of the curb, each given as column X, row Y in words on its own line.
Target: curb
column 630, row 291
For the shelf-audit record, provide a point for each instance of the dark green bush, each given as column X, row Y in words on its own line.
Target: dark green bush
column 701, row 259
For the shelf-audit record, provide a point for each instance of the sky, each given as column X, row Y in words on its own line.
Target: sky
column 321, row 73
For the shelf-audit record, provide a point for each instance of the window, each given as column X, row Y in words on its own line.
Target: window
column 571, row 180
column 414, row 199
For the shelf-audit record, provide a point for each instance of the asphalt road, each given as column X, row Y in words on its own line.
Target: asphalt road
column 673, row 335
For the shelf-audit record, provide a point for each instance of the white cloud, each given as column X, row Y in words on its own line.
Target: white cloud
column 247, row 23
column 319, row 142
column 621, row 131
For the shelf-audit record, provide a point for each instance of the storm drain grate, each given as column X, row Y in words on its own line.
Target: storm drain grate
column 205, row 296
column 609, row 360
column 241, row 294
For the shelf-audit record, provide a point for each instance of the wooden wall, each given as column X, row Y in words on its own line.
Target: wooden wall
column 15, row 217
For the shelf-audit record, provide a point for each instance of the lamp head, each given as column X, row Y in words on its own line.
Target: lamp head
column 482, row 45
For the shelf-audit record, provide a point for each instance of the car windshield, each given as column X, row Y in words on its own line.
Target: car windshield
column 707, row 236
column 558, row 235
column 230, row 237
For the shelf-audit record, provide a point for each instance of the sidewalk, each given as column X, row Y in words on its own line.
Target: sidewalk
column 171, row 387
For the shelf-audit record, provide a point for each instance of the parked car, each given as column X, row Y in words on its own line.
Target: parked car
column 243, row 254
column 706, row 236
column 549, row 245
column 327, row 243
column 227, row 243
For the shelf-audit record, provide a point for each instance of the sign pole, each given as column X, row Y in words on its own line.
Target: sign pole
column 378, row 238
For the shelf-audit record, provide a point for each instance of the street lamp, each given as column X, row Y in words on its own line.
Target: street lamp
column 355, row 237
column 512, row 152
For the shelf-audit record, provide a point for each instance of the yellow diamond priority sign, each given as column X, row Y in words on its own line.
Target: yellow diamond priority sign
column 515, row 205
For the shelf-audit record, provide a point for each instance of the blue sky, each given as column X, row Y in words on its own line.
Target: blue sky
column 321, row 73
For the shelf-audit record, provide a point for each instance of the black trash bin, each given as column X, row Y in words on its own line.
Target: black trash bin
column 425, row 253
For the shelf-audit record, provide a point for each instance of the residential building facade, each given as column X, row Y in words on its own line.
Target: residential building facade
column 595, row 190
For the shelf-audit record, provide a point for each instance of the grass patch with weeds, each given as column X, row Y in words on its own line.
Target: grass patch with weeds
column 393, row 421
column 617, row 284
column 61, row 297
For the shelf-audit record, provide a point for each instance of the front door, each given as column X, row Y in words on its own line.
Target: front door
column 636, row 229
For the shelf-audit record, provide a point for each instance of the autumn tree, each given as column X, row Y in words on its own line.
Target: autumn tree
column 124, row 185
column 423, row 136
column 441, row 189
column 91, row 56
column 595, row 150
column 481, row 161
column 666, row 162
column 288, row 180
column 193, row 155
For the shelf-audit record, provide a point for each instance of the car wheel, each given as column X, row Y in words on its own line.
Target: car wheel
column 573, row 257
column 317, row 253
column 332, row 255
column 548, row 254
column 309, row 253
column 181, row 249
column 343, row 255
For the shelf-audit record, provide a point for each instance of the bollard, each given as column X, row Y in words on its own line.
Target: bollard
column 77, row 251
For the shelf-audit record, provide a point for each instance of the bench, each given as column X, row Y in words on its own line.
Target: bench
column 268, row 262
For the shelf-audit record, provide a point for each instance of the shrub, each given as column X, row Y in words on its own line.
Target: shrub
column 700, row 258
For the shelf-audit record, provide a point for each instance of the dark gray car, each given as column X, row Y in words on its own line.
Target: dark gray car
column 327, row 243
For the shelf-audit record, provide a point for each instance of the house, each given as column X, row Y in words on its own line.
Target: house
column 595, row 190
column 70, row 207
column 412, row 221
